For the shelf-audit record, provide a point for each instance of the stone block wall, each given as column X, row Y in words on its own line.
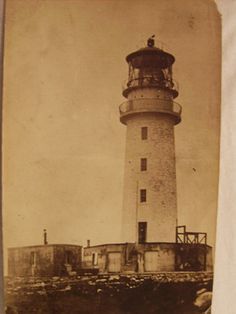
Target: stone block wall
column 43, row 260
column 159, row 180
column 148, row 257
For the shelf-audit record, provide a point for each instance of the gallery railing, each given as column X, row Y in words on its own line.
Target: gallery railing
column 154, row 105
column 150, row 81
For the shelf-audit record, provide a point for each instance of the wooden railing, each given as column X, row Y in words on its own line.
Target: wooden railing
column 182, row 236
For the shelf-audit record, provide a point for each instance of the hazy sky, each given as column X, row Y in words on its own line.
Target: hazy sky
column 63, row 143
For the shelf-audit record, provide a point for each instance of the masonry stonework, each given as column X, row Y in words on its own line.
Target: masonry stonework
column 44, row 260
column 159, row 180
column 147, row 257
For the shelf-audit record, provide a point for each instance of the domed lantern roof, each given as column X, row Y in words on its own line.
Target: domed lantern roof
column 150, row 56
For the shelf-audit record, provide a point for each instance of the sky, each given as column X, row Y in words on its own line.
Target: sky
column 63, row 144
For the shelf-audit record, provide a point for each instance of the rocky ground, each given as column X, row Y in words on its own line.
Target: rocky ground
column 162, row 293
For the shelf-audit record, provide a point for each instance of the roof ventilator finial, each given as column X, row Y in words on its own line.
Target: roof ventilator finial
column 45, row 240
column 151, row 41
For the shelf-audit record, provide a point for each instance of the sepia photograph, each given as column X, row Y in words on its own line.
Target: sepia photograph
column 111, row 142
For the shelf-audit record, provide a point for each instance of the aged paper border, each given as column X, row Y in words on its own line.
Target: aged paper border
column 225, row 265
column 2, row 2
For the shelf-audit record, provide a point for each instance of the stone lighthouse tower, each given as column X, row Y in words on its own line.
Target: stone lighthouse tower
column 150, row 114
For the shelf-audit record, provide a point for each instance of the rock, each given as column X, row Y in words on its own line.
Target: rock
column 208, row 311
column 11, row 310
column 114, row 277
column 201, row 291
column 67, row 288
column 42, row 292
column 203, row 301
column 101, row 280
column 91, row 283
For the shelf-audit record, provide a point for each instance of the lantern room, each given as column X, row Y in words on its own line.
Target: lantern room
column 150, row 67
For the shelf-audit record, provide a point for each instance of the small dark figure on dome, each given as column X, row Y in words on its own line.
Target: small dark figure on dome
column 151, row 41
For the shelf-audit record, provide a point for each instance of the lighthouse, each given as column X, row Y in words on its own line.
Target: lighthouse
column 150, row 115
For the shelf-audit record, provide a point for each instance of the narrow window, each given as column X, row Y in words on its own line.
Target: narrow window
column 142, row 232
column 143, row 164
column 144, row 133
column 143, row 195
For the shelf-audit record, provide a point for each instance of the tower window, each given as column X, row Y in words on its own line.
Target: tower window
column 144, row 133
column 143, row 164
column 143, row 195
column 142, row 232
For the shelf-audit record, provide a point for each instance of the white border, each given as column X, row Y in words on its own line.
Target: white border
column 225, row 266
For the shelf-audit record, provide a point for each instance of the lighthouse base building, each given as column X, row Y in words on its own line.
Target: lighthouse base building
column 148, row 257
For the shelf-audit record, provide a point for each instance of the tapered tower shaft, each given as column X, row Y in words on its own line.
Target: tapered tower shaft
column 150, row 113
